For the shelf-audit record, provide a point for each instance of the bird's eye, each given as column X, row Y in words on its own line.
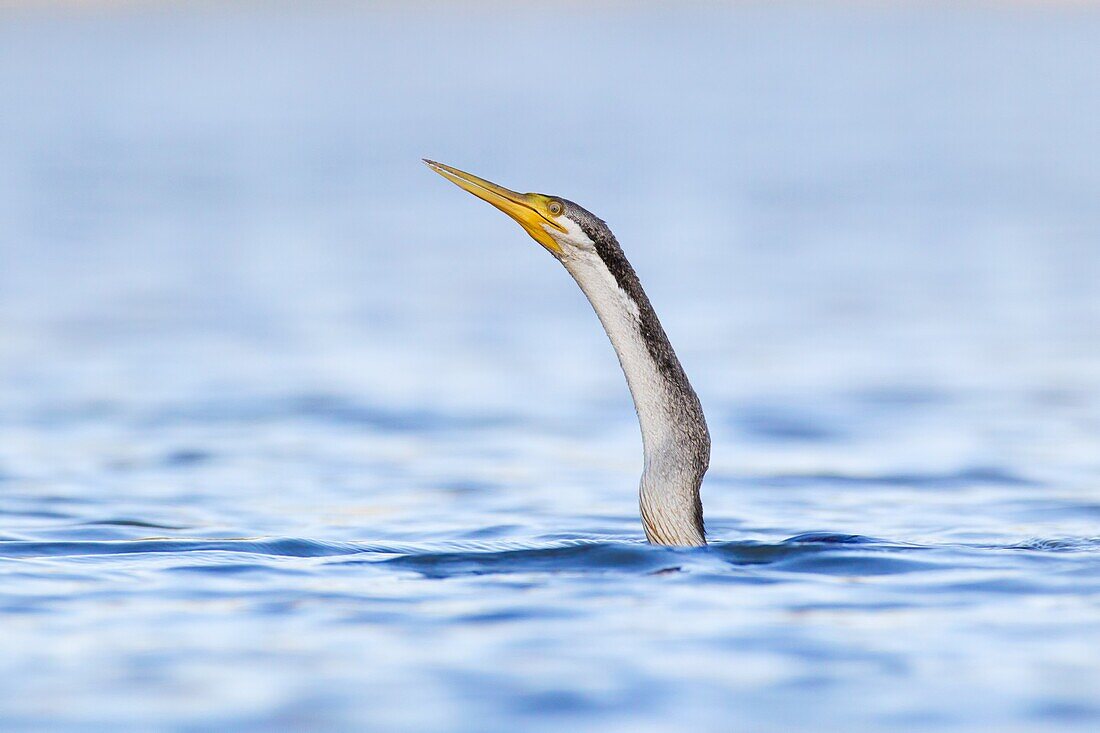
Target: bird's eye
column 555, row 208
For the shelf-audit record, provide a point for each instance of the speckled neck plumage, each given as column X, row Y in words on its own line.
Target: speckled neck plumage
column 674, row 430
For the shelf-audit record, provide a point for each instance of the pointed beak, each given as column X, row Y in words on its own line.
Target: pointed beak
column 523, row 207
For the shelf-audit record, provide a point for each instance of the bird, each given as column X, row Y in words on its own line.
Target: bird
column 675, row 438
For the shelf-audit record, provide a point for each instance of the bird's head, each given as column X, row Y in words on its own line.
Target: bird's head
column 559, row 225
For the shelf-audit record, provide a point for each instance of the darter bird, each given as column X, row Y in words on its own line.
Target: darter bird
column 675, row 439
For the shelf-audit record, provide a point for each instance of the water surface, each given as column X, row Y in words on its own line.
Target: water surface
column 296, row 436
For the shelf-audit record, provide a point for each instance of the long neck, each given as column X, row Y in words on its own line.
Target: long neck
column 674, row 430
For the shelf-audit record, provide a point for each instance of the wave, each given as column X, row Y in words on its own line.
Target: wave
column 820, row 553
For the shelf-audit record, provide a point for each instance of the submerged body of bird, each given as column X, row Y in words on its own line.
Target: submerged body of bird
column 675, row 439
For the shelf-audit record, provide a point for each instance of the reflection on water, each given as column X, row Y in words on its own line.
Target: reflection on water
column 293, row 436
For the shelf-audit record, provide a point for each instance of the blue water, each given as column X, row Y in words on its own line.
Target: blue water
column 294, row 435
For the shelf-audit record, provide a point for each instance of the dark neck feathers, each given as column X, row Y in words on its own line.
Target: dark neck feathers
column 692, row 436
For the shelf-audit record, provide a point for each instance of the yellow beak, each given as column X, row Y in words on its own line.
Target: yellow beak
column 525, row 208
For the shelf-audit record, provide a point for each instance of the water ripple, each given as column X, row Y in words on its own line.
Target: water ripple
column 275, row 547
